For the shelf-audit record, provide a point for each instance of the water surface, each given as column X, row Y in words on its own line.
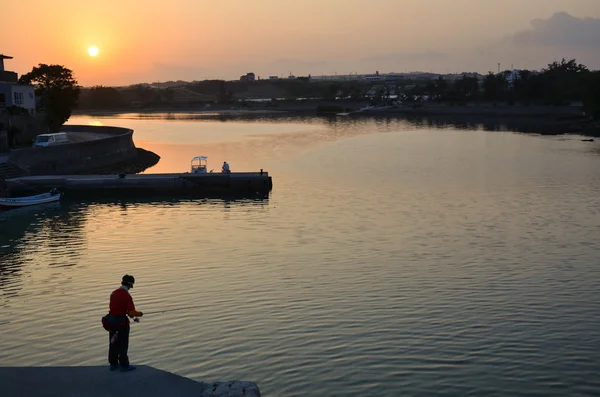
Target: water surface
column 391, row 258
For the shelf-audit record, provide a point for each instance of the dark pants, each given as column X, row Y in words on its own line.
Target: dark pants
column 117, row 352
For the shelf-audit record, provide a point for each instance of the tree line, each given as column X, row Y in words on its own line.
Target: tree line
column 562, row 83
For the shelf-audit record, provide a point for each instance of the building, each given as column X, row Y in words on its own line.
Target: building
column 4, row 74
column 248, row 77
column 373, row 77
column 512, row 76
column 12, row 93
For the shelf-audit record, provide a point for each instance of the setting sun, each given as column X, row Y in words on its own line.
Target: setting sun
column 93, row 51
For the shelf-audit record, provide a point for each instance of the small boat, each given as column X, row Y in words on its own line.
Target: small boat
column 15, row 202
column 199, row 164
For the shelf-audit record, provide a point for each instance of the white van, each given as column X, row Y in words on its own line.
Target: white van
column 44, row 140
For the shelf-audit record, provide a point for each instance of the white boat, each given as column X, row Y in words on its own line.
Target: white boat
column 199, row 164
column 15, row 202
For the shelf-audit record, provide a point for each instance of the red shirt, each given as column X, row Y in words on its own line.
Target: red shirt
column 120, row 303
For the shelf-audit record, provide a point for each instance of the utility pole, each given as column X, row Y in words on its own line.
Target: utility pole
column 498, row 67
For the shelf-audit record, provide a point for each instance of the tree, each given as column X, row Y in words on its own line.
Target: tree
column 100, row 97
column 495, row 87
column 441, row 88
column 564, row 81
column 58, row 90
column 331, row 91
column 564, row 66
column 591, row 99
column 466, row 88
column 528, row 86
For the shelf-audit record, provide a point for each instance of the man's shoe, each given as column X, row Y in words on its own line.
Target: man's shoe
column 128, row 368
column 114, row 367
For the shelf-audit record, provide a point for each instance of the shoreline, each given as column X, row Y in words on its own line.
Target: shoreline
column 535, row 118
column 355, row 107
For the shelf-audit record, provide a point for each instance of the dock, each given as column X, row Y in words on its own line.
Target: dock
column 174, row 184
column 98, row 381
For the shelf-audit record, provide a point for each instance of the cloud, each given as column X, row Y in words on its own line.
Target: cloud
column 561, row 30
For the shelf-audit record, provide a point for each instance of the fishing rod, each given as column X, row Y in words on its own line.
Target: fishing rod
column 137, row 319
column 175, row 309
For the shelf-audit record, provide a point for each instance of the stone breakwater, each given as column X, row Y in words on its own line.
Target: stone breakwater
column 139, row 163
column 91, row 149
column 230, row 389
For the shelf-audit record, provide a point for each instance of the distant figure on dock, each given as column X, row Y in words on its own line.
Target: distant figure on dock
column 121, row 305
column 225, row 168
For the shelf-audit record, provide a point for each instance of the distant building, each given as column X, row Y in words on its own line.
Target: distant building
column 6, row 76
column 273, row 77
column 512, row 76
column 460, row 76
column 13, row 94
column 374, row 77
column 248, row 77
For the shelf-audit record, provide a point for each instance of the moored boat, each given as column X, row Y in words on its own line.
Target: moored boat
column 15, row 202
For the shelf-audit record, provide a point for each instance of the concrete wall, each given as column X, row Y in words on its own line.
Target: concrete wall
column 3, row 141
column 6, row 91
column 28, row 126
column 6, row 75
column 83, row 157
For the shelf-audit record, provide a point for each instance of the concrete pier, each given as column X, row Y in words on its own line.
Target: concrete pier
column 184, row 184
column 145, row 381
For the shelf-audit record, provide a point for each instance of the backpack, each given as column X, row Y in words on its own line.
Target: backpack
column 111, row 323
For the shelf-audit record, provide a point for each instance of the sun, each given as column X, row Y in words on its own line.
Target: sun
column 93, row 51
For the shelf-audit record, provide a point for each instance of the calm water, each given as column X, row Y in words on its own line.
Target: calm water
column 391, row 258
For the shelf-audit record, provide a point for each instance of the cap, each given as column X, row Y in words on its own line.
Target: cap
column 128, row 281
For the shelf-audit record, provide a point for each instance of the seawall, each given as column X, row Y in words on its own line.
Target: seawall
column 112, row 145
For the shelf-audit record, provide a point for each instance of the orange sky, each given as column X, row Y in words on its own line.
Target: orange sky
column 157, row 40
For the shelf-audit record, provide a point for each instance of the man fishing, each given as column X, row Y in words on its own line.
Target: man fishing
column 121, row 305
column 225, row 168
